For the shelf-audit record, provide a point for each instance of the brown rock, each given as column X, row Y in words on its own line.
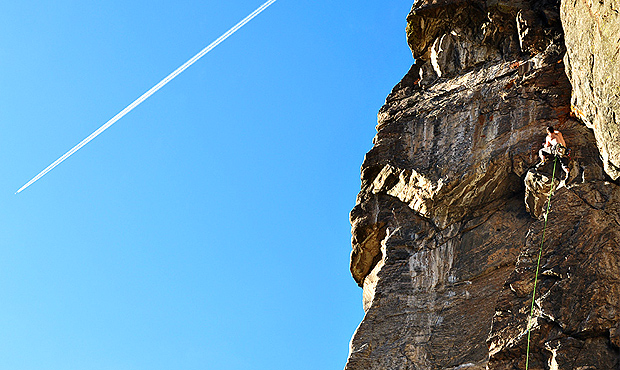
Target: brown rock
column 584, row 165
column 443, row 245
column 578, row 292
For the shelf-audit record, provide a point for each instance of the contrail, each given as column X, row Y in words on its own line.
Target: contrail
column 147, row 94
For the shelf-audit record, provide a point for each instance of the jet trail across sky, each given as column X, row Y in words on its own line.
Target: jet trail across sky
column 147, row 94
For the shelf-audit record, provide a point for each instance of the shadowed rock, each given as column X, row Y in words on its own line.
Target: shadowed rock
column 578, row 293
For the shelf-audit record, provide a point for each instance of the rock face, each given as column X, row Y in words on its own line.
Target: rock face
column 593, row 66
column 576, row 311
column 448, row 222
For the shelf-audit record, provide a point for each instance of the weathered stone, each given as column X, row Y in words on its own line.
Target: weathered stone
column 458, row 144
column 578, row 292
column 592, row 60
column 531, row 33
column 443, row 245
column 431, row 290
column 584, row 165
column 538, row 188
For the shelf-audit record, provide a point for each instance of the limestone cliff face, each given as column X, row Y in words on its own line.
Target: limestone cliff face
column 448, row 223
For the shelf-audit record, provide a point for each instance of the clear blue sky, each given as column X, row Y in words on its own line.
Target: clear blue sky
column 208, row 229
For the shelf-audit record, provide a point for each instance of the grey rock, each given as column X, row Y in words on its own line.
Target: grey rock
column 593, row 66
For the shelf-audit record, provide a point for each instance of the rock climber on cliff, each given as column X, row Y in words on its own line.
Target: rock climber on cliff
column 554, row 145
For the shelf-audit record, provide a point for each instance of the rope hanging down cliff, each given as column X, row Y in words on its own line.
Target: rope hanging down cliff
column 529, row 320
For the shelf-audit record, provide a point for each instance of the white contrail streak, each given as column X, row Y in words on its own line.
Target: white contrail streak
column 147, row 94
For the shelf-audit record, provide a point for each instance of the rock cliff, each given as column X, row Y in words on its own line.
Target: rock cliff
column 593, row 67
column 448, row 223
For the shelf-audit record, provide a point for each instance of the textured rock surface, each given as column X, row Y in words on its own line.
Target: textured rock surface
column 593, row 66
column 538, row 188
column 584, row 167
column 577, row 306
column 443, row 244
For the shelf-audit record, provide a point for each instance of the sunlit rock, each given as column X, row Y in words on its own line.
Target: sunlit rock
column 448, row 222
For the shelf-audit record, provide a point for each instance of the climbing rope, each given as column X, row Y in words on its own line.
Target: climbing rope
column 529, row 321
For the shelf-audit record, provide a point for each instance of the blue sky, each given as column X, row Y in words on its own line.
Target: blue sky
column 207, row 229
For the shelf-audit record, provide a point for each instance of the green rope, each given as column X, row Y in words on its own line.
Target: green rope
column 527, row 358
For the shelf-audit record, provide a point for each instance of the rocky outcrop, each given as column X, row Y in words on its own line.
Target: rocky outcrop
column 443, row 243
column 593, row 66
column 577, row 308
column 539, row 187
column 583, row 164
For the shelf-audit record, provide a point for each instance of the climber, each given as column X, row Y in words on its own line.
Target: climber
column 554, row 145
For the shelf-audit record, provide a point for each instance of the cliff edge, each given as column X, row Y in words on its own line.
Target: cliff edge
column 448, row 222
